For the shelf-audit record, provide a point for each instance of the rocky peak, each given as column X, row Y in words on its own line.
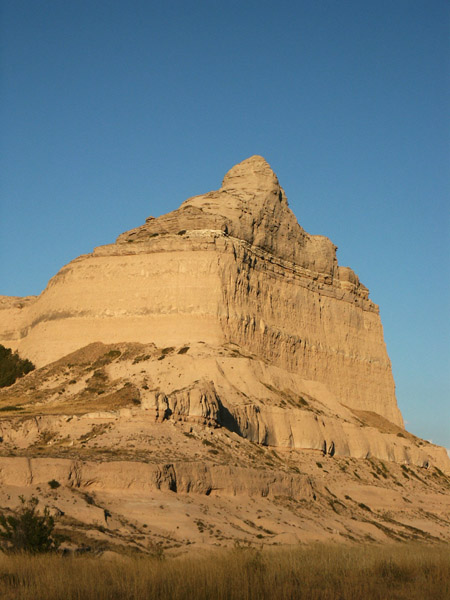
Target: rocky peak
column 250, row 206
column 229, row 266
column 251, row 175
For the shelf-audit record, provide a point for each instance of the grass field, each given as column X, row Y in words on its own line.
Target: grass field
column 410, row 572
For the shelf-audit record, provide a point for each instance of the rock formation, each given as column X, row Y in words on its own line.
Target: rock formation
column 215, row 357
column 230, row 266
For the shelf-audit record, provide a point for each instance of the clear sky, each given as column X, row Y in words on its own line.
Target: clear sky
column 114, row 110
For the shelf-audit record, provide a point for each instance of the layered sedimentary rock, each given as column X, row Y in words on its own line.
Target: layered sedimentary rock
column 137, row 386
column 130, row 444
column 230, row 266
column 214, row 377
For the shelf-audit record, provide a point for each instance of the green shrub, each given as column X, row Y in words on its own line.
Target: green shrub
column 54, row 484
column 28, row 531
column 12, row 366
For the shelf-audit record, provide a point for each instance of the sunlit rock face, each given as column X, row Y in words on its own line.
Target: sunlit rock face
column 232, row 266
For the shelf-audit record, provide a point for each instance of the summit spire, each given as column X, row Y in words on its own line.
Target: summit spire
column 252, row 174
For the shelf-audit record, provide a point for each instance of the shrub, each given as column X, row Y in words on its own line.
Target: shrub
column 12, row 366
column 141, row 358
column 54, row 484
column 28, row 531
column 9, row 407
column 168, row 350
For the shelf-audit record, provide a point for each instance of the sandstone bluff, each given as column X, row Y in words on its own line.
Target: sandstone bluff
column 218, row 350
column 231, row 266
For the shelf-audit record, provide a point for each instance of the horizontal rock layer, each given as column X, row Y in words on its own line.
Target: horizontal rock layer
column 136, row 444
column 212, row 288
column 231, row 266
column 138, row 477
column 115, row 392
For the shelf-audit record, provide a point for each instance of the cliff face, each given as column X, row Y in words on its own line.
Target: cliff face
column 230, row 266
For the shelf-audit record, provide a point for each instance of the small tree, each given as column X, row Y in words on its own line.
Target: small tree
column 12, row 366
column 28, row 531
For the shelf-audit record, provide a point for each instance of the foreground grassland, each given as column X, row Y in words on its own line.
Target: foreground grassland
column 413, row 572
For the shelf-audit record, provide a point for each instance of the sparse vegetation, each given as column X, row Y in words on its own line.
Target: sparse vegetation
column 141, row 358
column 107, row 358
column 168, row 350
column 379, row 469
column 28, row 531
column 12, row 366
column 89, row 499
column 289, row 398
column 207, row 443
column 315, row 572
column 410, row 472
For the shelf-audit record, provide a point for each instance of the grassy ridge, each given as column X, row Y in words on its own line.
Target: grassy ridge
column 308, row 572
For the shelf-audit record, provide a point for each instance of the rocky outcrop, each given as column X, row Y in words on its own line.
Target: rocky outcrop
column 230, row 266
column 210, row 445
column 184, row 478
column 130, row 388
column 252, row 207
column 213, row 377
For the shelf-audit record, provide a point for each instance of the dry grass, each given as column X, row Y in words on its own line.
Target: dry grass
column 308, row 572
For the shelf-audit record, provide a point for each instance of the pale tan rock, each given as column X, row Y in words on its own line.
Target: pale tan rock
column 229, row 266
column 209, row 446
column 245, row 395
column 128, row 388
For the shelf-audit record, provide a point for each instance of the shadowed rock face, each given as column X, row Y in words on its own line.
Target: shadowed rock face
column 229, row 266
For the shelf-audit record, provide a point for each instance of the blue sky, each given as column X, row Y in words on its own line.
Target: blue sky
column 112, row 111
